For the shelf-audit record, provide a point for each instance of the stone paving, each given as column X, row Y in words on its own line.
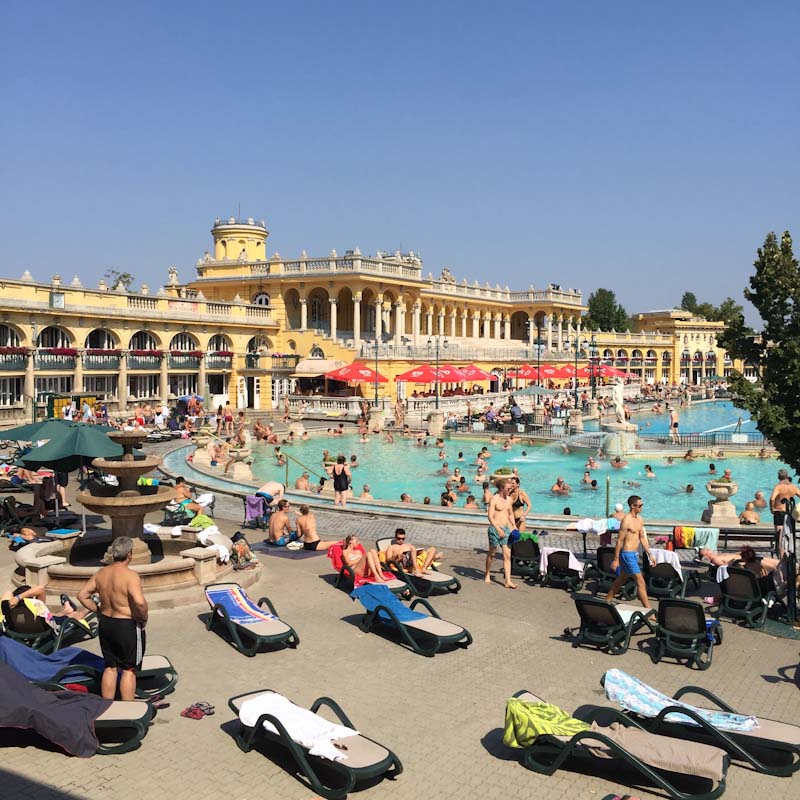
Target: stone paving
column 442, row 716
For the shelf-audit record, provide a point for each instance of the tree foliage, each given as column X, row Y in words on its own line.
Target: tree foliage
column 605, row 313
column 774, row 400
column 115, row 277
column 689, row 302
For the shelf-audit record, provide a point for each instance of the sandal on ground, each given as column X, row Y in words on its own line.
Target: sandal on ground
column 204, row 708
column 193, row 712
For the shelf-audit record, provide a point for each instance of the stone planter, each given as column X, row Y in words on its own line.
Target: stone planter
column 496, row 477
column 721, row 512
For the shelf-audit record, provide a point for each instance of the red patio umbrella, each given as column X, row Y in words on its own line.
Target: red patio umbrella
column 356, row 373
column 585, row 372
column 450, row 374
column 423, row 374
column 549, row 371
column 526, row 372
column 565, row 371
column 473, row 373
column 607, row 371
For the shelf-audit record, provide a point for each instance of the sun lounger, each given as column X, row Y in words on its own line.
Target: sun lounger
column 560, row 573
column 22, row 625
column 425, row 634
column 663, row 580
column 607, row 625
column 347, row 580
column 770, row 747
column 742, row 598
column 248, row 626
column 431, row 582
column 684, row 631
column 364, row 759
column 80, row 724
column 660, row 760
column 603, row 576
column 156, row 675
column 525, row 558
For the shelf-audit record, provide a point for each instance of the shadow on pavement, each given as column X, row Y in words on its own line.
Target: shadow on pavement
column 16, row 785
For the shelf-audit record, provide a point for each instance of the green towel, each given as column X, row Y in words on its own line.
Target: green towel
column 532, row 535
column 525, row 721
column 201, row 521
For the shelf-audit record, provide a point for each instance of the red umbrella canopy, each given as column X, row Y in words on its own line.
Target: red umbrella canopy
column 356, row 373
column 423, row 374
column 565, row 371
column 549, row 371
column 473, row 373
column 449, row 374
column 611, row 372
column 526, row 371
column 585, row 372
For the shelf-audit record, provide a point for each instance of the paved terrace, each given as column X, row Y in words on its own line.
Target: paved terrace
column 442, row 716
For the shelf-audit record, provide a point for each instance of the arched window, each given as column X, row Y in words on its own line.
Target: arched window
column 316, row 352
column 261, row 299
column 142, row 340
column 53, row 337
column 219, row 344
column 100, row 339
column 8, row 337
column 184, row 342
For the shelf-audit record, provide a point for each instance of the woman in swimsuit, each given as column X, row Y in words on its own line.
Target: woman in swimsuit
column 341, row 481
column 220, row 417
column 520, row 503
column 363, row 564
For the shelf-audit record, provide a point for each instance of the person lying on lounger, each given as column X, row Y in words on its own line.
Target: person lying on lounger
column 409, row 557
column 363, row 564
column 34, row 597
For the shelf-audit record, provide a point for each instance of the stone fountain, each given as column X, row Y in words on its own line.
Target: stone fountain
column 721, row 512
column 173, row 570
column 127, row 509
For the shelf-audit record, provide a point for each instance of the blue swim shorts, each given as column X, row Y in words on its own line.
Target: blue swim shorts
column 494, row 537
column 628, row 563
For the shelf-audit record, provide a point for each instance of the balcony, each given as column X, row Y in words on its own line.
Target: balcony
column 217, row 361
column 56, row 361
column 284, row 362
column 12, row 362
column 151, row 362
column 188, row 361
column 101, row 362
column 251, row 361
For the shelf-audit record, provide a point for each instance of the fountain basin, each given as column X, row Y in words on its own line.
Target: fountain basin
column 128, row 503
column 127, row 469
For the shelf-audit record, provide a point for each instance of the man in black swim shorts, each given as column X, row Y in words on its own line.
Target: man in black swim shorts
column 122, row 613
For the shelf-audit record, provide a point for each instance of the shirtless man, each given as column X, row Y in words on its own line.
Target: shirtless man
column 302, row 483
column 560, row 487
column 760, row 501
column 501, row 523
column 122, row 613
column 307, row 531
column 626, row 563
column 272, row 491
column 404, row 552
column 366, row 493
column 749, row 516
column 280, row 525
column 673, row 426
column 784, row 489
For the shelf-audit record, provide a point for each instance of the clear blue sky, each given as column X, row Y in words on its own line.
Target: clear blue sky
column 643, row 147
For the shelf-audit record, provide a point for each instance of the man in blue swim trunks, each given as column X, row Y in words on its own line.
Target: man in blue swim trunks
column 626, row 562
column 501, row 523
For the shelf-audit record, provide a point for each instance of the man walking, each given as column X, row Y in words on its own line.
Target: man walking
column 784, row 490
column 122, row 612
column 673, row 426
column 501, row 523
column 626, row 562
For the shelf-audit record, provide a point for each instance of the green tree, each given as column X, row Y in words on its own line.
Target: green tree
column 729, row 310
column 115, row 277
column 689, row 301
column 774, row 400
column 605, row 313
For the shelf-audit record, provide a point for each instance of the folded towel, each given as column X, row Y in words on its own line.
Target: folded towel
column 661, row 556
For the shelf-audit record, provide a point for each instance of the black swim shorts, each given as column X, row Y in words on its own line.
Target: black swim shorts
column 122, row 642
column 778, row 517
column 311, row 545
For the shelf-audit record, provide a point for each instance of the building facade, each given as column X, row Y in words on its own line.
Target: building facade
column 247, row 326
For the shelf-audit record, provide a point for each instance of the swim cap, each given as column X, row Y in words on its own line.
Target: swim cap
column 618, row 507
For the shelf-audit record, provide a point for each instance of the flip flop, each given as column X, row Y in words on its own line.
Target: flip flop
column 65, row 601
column 205, row 708
column 193, row 712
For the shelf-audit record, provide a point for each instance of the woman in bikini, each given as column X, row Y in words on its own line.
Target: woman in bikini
column 520, row 503
column 364, row 564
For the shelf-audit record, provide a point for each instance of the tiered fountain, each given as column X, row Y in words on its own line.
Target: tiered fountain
column 173, row 570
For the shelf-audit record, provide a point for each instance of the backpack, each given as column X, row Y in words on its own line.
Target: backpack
column 241, row 554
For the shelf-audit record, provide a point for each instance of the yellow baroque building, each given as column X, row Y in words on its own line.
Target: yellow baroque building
column 248, row 326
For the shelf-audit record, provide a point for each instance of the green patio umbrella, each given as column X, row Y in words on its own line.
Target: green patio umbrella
column 74, row 446
column 33, row 431
column 528, row 391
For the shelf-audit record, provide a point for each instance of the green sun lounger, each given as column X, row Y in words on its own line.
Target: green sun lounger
column 604, row 624
column 365, row 759
column 432, row 582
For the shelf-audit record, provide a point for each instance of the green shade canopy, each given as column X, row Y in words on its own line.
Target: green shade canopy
column 529, row 391
column 33, row 431
column 73, row 447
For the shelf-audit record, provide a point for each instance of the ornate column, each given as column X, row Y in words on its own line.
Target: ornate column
column 560, row 339
column 476, row 321
column 549, row 331
column 202, row 378
column 440, row 323
column 463, row 324
column 399, row 323
column 429, row 317
column 498, row 326
column 163, row 381
column 578, row 327
column 122, row 381
column 303, row 313
column 452, row 323
column 531, row 329
column 415, row 320
column 378, row 318
column 357, row 321
column 30, row 381
column 77, row 379
column 334, row 309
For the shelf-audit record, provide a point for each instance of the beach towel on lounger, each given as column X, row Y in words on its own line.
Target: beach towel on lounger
column 372, row 595
column 526, row 721
column 639, row 698
column 64, row 718
column 241, row 609
column 335, row 555
column 36, row 666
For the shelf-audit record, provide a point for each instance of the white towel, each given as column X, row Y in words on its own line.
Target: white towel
column 589, row 525
column 222, row 552
column 176, row 531
column 722, row 573
column 661, row 556
column 151, row 527
column 305, row 727
column 202, row 535
column 205, row 499
column 545, row 552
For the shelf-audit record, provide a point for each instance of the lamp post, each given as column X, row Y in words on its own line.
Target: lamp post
column 577, row 347
column 434, row 344
column 376, row 373
column 592, row 357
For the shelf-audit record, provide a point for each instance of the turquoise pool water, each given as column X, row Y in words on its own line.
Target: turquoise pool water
column 391, row 469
